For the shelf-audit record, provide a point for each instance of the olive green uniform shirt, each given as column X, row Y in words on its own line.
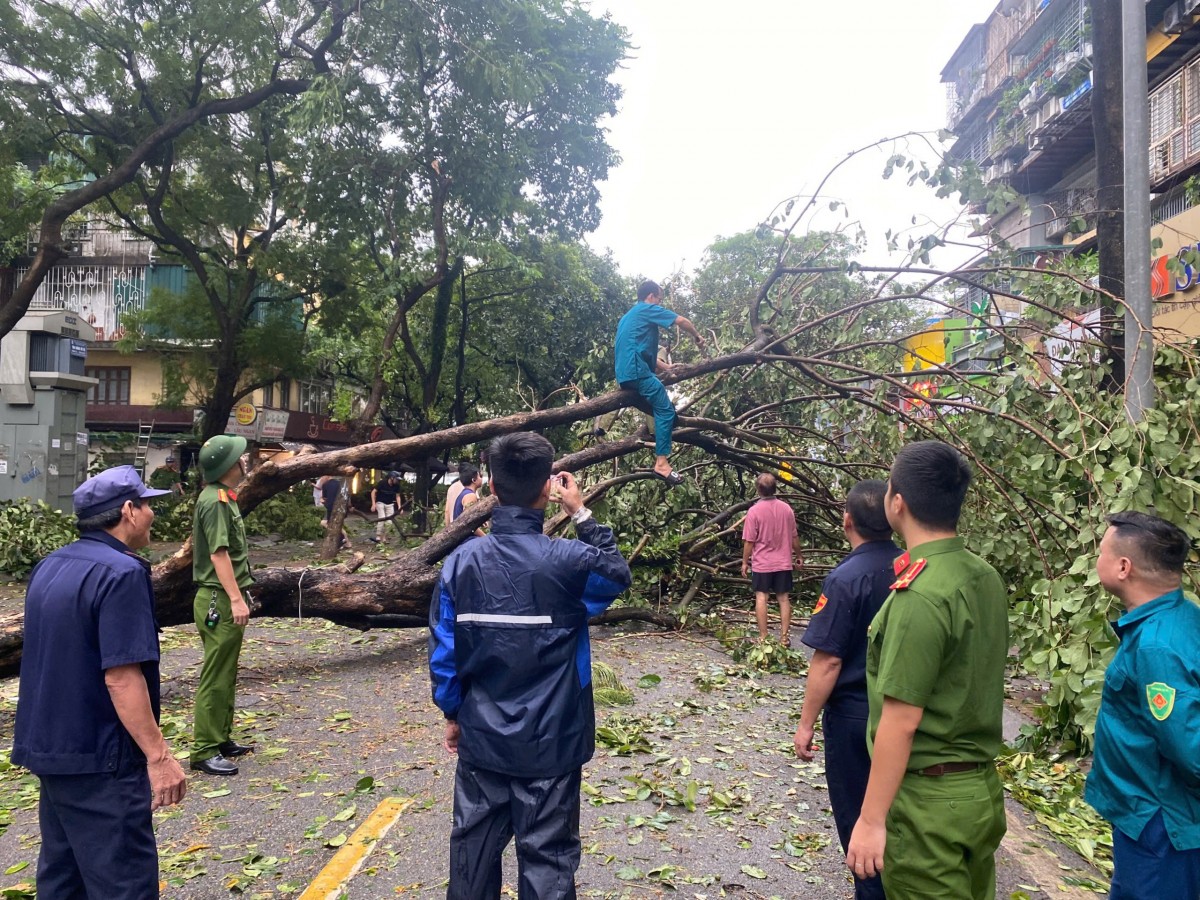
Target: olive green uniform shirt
column 941, row 644
column 218, row 523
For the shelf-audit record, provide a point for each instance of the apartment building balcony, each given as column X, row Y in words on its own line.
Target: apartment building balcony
column 1076, row 205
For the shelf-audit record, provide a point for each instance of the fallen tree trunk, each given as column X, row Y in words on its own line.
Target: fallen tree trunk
column 397, row 594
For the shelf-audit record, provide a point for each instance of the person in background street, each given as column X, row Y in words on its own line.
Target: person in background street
column 383, row 504
column 466, row 474
column 1145, row 776
column 933, row 813
column 636, row 351
column 771, row 549
column 510, row 666
column 166, row 477
column 836, row 688
column 88, row 705
column 221, row 573
column 470, row 481
column 331, row 489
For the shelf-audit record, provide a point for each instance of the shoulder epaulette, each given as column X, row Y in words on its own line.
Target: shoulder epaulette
column 900, row 563
column 909, row 576
column 222, row 495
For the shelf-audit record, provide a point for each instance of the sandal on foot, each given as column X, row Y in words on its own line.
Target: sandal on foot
column 673, row 479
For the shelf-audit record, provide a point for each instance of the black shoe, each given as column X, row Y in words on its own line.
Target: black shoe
column 215, row 765
column 230, row 749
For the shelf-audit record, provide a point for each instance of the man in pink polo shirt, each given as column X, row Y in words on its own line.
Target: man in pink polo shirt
column 771, row 548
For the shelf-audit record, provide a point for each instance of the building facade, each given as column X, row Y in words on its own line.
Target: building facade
column 1020, row 100
column 111, row 272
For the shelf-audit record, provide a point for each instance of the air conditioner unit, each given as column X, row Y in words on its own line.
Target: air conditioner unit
column 1050, row 109
column 1175, row 20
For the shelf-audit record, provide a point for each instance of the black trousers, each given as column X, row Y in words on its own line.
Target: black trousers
column 847, row 767
column 97, row 836
column 489, row 809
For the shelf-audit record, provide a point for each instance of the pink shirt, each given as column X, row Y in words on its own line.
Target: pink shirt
column 770, row 527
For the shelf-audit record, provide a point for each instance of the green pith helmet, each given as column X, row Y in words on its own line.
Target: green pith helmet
column 219, row 454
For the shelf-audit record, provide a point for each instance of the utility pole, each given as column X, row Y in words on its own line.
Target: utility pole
column 1139, row 307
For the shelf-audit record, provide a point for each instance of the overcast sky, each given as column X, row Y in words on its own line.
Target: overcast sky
column 732, row 106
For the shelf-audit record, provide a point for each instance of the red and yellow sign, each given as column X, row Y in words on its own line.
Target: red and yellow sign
column 246, row 413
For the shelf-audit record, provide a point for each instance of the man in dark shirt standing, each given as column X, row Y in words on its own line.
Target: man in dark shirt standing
column 87, row 714
column 383, row 504
column 837, row 677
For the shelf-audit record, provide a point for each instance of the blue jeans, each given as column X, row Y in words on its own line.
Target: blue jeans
column 1151, row 869
column 660, row 405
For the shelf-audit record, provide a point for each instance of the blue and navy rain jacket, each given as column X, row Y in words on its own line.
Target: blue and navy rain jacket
column 509, row 655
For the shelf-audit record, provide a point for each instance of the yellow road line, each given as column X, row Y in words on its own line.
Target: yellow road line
column 332, row 879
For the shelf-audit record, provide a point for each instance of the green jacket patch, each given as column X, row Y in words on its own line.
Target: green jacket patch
column 1161, row 698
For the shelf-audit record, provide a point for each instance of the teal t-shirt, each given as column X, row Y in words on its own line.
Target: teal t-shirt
column 636, row 347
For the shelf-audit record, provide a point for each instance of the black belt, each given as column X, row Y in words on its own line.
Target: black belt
column 948, row 769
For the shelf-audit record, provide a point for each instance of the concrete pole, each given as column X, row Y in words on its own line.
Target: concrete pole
column 1139, row 311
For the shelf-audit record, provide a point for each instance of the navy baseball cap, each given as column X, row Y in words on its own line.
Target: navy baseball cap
column 110, row 489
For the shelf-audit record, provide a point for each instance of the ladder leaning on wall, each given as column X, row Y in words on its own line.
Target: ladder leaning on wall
column 143, row 447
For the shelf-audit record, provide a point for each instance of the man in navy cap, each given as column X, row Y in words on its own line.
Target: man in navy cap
column 87, row 714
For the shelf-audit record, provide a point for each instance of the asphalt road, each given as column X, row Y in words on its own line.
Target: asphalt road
column 342, row 720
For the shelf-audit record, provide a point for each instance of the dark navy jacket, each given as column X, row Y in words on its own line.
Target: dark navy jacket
column 850, row 597
column 509, row 655
column 89, row 607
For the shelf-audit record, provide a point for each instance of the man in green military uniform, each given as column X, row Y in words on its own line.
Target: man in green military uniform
column 933, row 814
column 221, row 572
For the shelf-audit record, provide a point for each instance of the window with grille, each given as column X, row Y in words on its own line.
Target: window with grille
column 1175, row 124
column 113, row 388
column 314, row 398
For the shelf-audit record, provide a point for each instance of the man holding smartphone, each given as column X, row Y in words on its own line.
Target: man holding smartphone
column 510, row 665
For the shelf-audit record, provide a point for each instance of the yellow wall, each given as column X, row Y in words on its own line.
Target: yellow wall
column 1177, row 315
column 926, row 350
column 145, row 372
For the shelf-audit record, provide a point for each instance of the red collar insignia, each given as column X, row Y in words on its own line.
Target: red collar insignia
column 909, row 576
column 900, row 563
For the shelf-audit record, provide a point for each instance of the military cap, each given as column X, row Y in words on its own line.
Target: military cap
column 218, row 455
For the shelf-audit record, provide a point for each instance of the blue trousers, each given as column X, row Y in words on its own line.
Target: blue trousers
column 847, row 767
column 97, row 836
column 1150, row 868
column 489, row 809
column 660, row 405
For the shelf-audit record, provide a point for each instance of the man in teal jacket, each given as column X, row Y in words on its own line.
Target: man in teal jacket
column 636, row 351
column 1145, row 777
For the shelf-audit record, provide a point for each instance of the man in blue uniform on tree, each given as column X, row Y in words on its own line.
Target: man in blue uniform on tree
column 637, row 361
column 837, row 677
column 1145, row 776
column 87, row 713
column 510, row 664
